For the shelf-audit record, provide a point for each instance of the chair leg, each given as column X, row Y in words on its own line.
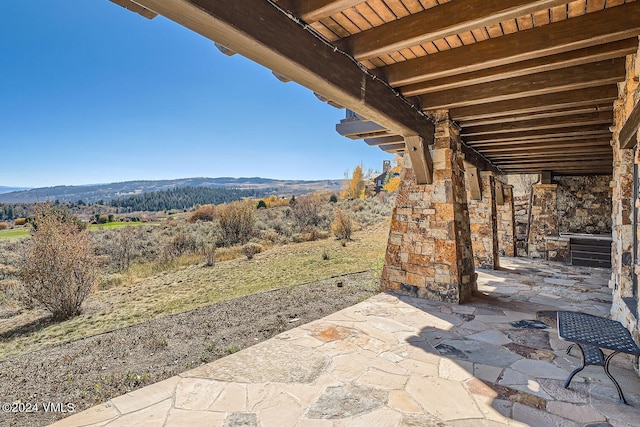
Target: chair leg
column 578, row 369
column 606, row 371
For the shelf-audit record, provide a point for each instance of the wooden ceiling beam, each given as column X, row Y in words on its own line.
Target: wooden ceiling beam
column 547, row 152
column 555, row 157
column 266, row 35
column 136, row 8
column 549, row 143
column 524, row 147
column 571, row 99
column 545, row 123
column 595, row 74
column 570, row 164
column 315, row 10
column 590, row 130
column 630, row 129
column 532, row 66
column 519, row 118
column 454, row 17
column 606, row 26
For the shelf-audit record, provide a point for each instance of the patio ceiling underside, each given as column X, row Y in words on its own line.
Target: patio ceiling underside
column 530, row 83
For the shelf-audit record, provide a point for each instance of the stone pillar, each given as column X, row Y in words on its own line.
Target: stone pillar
column 483, row 218
column 429, row 249
column 544, row 218
column 507, row 224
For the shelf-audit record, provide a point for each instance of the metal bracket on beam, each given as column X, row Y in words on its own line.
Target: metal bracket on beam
column 420, row 159
column 225, row 50
column 475, row 183
column 545, row 177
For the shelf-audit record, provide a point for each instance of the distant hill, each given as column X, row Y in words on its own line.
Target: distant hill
column 118, row 190
column 11, row 189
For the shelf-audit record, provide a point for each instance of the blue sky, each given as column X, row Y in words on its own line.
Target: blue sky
column 92, row 93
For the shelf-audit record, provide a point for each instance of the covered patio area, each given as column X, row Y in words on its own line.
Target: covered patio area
column 397, row 360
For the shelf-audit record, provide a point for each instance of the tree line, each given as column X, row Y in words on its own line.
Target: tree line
column 183, row 198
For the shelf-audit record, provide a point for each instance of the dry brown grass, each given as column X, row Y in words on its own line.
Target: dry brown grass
column 182, row 286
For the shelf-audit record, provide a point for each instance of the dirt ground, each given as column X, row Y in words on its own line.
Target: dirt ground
column 77, row 375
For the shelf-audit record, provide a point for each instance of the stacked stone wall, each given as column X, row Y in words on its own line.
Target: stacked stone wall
column 625, row 307
column 584, row 204
column 483, row 218
column 429, row 249
column 506, row 224
column 521, row 212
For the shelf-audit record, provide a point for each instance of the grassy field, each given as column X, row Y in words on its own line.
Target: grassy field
column 14, row 234
column 21, row 233
column 197, row 285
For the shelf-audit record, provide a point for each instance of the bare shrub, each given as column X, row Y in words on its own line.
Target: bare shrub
column 251, row 249
column 209, row 253
column 179, row 244
column 4, row 225
column 123, row 248
column 237, row 222
column 203, row 213
column 342, row 225
column 20, row 221
column 58, row 269
column 307, row 211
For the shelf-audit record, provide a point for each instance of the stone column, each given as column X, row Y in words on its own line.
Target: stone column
column 507, row 224
column 429, row 250
column 544, row 218
column 483, row 218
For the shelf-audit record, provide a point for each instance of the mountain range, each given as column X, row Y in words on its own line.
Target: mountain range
column 106, row 192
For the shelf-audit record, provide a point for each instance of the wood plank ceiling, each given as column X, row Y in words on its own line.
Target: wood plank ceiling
column 531, row 83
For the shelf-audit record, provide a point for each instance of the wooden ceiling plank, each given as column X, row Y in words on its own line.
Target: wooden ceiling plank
column 570, row 99
column 315, row 10
column 587, row 55
column 136, row 8
column 595, row 5
column 445, row 20
column 630, row 129
column 579, row 77
column 532, row 152
column 265, row 35
column 609, row 25
column 544, row 123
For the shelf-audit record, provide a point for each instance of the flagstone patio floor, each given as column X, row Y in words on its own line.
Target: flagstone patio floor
column 400, row 361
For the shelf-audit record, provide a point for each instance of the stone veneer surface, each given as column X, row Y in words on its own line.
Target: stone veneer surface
column 622, row 256
column 429, row 249
column 483, row 218
column 544, row 218
column 506, row 224
column 584, row 204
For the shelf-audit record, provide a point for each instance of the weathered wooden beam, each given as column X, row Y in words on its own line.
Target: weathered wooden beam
column 555, row 158
column 593, row 130
column 490, row 148
column 382, row 140
column 593, row 96
column 532, row 66
column 544, row 123
column 420, row 159
column 134, row 7
column 266, row 36
column 478, row 160
column 550, row 114
column 629, row 130
column 609, row 25
column 475, row 183
column 600, row 73
column 315, row 10
column 505, row 153
column 445, row 20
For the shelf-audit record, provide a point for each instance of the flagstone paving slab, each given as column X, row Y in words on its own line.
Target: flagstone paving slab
column 394, row 360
